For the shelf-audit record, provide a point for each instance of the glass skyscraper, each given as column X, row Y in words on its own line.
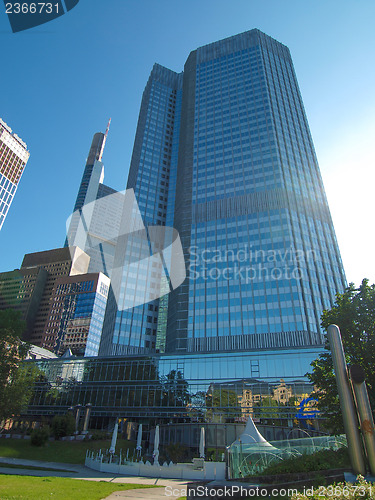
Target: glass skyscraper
column 98, row 208
column 152, row 176
column 223, row 153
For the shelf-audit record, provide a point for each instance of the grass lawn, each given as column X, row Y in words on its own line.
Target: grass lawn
column 73, row 452
column 41, row 488
column 29, row 467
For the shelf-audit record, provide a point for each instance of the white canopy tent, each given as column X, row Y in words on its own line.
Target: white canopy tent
column 251, row 435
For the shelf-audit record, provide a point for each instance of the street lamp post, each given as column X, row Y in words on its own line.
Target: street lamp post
column 346, row 401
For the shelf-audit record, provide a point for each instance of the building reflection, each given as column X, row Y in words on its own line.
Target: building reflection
column 212, row 389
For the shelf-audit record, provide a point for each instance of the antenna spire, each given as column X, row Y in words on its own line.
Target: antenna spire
column 109, row 124
column 104, row 140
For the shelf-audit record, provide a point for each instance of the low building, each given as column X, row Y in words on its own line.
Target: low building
column 36, row 352
column 179, row 392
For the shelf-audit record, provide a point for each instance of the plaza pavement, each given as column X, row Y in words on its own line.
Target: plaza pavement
column 170, row 488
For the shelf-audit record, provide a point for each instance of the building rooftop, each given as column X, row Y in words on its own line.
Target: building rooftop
column 15, row 136
column 36, row 352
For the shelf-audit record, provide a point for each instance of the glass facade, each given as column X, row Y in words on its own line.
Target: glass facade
column 152, row 176
column 223, row 153
column 95, row 154
column 76, row 316
column 212, row 388
column 261, row 253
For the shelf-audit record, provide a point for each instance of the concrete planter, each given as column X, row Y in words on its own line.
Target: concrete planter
column 209, row 472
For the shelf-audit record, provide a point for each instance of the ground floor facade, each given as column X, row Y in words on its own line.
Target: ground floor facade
column 182, row 392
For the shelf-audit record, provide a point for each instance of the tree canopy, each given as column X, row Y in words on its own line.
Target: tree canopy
column 16, row 381
column 354, row 313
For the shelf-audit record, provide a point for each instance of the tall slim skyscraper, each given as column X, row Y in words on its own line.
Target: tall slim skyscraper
column 224, row 154
column 152, row 176
column 13, row 159
column 99, row 208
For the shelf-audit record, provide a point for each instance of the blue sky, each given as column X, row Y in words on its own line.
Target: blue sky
column 60, row 83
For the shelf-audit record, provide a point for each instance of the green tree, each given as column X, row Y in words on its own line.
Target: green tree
column 354, row 313
column 39, row 437
column 16, row 381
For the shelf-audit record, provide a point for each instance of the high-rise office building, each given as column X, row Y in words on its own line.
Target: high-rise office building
column 224, row 154
column 75, row 319
column 30, row 288
column 55, row 264
column 23, row 290
column 250, row 205
column 152, row 176
column 98, row 208
column 13, row 159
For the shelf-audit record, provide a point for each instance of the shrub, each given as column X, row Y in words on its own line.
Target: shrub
column 321, row 460
column 99, row 435
column 341, row 491
column 63, row 425
column 39, row 437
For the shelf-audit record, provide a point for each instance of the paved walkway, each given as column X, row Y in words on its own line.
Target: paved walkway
column 149, row 494
column 170, row 488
